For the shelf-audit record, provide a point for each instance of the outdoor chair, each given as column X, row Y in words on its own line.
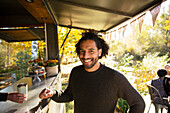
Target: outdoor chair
column 156, row 105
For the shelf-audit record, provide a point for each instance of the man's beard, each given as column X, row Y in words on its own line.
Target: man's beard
column 94, row 61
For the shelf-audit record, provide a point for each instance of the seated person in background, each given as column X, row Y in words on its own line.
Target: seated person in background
column 158, row 84
column 167, row 68
column 13, row 96
column 166, row 84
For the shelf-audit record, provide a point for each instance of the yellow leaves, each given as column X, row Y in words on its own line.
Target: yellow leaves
column 167, row 22
column 36, row 60
column 47, row 63
column 41, row 44
column 50, row 63
column 21, row 45
column 73, row 37
column 27, row 44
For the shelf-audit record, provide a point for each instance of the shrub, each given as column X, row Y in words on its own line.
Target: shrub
column 146, row 70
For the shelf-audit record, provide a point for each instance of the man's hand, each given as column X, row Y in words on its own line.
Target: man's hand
column 16, row 97
column 46, row 93
column 169, row 99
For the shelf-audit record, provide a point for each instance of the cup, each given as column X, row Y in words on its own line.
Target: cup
column 23, row 88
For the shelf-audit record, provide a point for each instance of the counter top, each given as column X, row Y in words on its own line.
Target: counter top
column 33, row 99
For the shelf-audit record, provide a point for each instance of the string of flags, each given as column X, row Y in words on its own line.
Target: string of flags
column 112, row 34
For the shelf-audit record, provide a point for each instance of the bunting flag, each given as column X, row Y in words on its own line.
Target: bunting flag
column 107, row 37
column 104, row 36
column 120, row 33
column 140, row 21
column 113, row 35
column 124, row 29
column 110, row 36
column 154, row 12
column 133, row 27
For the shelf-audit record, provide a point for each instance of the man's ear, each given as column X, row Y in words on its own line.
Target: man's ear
column 100, row 52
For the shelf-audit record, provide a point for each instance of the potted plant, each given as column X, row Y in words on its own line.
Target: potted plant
column 36, row 66
column 51, row 67
column 37, row 62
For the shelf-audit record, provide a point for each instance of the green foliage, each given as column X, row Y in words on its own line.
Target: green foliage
column 22, row 59
column 126, row 60
column 50, row 63
column 20, row 73
column 2, row 53
column 41, row 63
column 153, row 61
column 3, row 70
column 118, row 48
column 70, row 107
column 150, row 40
column 122, row 106
column 147, row 68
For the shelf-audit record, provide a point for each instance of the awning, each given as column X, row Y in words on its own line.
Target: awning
column 99, row 15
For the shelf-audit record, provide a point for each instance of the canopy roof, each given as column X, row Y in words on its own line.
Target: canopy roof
column 100, row 15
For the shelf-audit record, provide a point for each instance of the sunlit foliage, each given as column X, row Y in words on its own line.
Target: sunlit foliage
column 68, row 50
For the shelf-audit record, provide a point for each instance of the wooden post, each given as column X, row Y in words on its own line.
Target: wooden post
column 51, row 39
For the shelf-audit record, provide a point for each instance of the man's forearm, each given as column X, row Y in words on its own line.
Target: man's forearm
column 60, row 96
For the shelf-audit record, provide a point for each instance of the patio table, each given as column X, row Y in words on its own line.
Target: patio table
column 37, row 77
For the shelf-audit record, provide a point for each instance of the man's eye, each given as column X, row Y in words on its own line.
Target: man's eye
column 91, row 51
column 81, row 51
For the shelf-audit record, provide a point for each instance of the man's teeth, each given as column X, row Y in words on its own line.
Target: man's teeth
column 87, row 60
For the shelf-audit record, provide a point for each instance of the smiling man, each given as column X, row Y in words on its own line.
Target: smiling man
column 94, row 87
column 89, row 55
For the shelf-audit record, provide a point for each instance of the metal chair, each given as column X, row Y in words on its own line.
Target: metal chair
column 157, row 106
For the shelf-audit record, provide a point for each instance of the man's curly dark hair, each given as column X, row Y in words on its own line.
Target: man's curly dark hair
column 100, row 43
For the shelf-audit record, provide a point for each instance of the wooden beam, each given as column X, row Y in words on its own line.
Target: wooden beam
column 38, row 10
column 6, row 37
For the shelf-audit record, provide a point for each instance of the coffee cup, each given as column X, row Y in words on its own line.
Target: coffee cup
column 23, row 88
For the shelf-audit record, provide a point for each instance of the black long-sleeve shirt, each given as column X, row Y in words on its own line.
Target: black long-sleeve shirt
column 98, row 92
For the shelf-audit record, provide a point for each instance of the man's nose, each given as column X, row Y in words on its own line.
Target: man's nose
column 86, row 55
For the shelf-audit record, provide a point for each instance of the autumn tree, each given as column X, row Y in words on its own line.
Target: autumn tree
column 150, row 40
column 67, row 51
column 2, row 53
column 163, row 26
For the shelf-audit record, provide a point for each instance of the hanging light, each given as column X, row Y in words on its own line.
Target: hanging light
column 44, row 18
column 29, row 1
